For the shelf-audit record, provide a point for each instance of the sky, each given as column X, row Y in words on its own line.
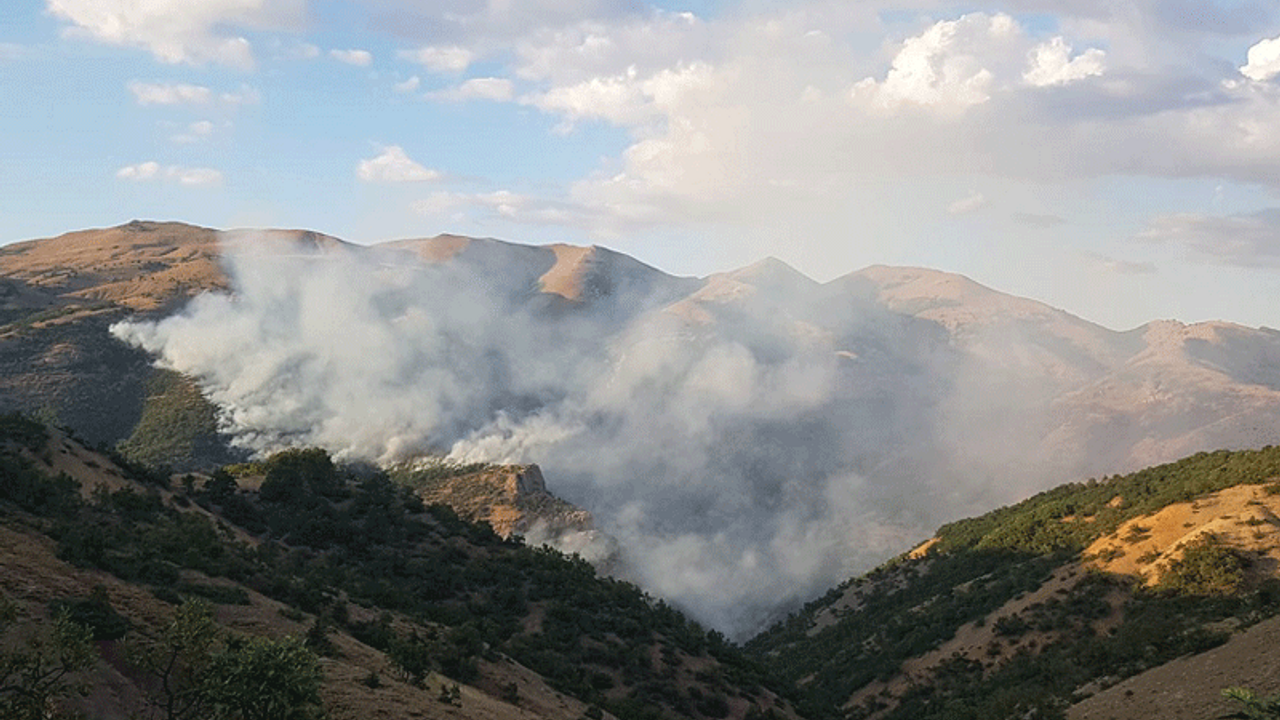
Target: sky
column 1117, row 160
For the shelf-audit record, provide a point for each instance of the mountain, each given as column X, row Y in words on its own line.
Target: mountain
column 754, row 432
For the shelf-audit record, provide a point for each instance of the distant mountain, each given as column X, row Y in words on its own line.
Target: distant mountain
column 753, row 432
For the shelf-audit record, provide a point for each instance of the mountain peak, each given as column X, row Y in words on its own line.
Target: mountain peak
column 772, row 273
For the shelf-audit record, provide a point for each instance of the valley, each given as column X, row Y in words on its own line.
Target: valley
column 369, row 445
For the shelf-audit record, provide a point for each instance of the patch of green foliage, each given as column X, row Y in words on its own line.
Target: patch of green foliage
column 94, row 612
column 197, row 671
column 1207, row 567
column 176, row 419
column 37, row 666
column 895, row 621
column 1158, row 627
column 1053, row 520
column 1252, row 705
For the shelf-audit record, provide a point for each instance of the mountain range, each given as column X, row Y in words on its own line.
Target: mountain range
column 753, row 431
column 301, row 431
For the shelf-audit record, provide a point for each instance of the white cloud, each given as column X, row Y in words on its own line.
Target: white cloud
column 450, row 58
column 197, row 131
column 945, row 67
column 484, row 88
column 967, row 204
column 1051, row 63
column 505, row 205
column 1263, row 60
column 180, row 31
column 359, row 58
column 141, row 171
column 168, row 93
column 779, row 114
column 1246, row 240
column 11, row 51
column 626, row 98
column 409, row 85
column 393, row 165
column 152, row 170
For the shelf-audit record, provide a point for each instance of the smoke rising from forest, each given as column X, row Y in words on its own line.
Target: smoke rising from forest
column 749, row 445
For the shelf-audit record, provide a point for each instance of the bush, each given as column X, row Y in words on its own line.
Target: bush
column 1205, row 568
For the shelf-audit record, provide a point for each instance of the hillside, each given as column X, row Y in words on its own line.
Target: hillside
column 1096, row 599
column 407, row 610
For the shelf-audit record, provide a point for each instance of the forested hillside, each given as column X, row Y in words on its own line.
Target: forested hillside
column 1020, row 612
column 376, row 588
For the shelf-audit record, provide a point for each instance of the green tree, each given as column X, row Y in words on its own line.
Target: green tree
column 36, row 670
column 177, row 662
column 199, row 672
column 265, row 679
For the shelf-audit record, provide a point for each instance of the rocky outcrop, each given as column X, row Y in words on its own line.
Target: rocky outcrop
column 513, row 499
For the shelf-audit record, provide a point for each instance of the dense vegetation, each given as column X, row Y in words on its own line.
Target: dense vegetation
column 910, row 606
column 177, row 426
column 333, row 538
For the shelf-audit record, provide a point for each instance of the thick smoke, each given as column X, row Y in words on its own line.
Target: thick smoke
column 748, row 445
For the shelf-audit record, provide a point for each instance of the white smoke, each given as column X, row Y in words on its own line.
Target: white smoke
column 749, row 440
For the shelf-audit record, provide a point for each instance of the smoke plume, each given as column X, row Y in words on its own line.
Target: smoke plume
column 750, row 439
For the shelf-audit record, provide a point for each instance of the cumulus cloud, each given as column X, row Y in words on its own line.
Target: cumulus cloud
column 481, row 88
column 1263, row 60
column 945, row 67
column 169, row 93
column 176, row 31
column 773, row 114
column 409, row 85
column 1246, row 240
column 1051, row 64
column 394, row 165
column 450, row 58
column 359, row 58
column 152, row 170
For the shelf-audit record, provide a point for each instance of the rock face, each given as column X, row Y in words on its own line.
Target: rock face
column 513, row 499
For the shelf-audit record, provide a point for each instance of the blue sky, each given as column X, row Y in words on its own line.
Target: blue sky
column 1120, row 161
